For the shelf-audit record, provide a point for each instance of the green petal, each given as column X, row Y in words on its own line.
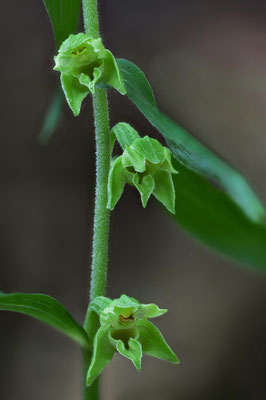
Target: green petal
column 167, row 163
column 153, row 342
column 74, row 92
column 92, row 321
column 116, row 183
column 150, row 311
column 145, row 188
column 125, row 302
column 133, row 352
column 131, row 158
column 125, row 134
column 103, row 353
column 100, row 303
column 72, row 42
column 150, row 149
column 164, row 190
column 112, row 74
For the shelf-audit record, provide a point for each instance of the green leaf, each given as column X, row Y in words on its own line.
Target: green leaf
column 64, row 16
column 153, row 342
column 188, row 150
column 45, row 309
column 213, row 201
column 214, row 218
column 51, row 119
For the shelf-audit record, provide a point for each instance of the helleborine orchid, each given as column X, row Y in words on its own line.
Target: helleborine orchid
column 145, row 164
column 124, row 328
column 85, row 63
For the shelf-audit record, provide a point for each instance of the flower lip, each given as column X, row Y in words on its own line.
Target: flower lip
column 123, row 334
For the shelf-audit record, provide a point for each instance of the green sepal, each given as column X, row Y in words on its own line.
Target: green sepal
column 133, row 352
column 125, row 134
column 84, row 62
column 103, row 352
column 153, row 342
column 113, row 74
column 99, row 304
column 125, row 302
column 75, row 92
column 150, row 311
column 116, row 182
column 166, row 165
column 164, row 190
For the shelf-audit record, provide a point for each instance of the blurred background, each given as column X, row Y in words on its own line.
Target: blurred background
column 206, row 61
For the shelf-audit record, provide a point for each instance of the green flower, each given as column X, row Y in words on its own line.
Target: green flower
column 85, row 63
column 124, row 327
column 145, row 164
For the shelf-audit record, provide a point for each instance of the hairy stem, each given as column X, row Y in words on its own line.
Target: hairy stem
column 101, row 214
column 91, row 392
column 101, row 217
column 90, row 17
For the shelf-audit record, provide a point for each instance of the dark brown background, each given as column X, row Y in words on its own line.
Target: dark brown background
column 206, row 61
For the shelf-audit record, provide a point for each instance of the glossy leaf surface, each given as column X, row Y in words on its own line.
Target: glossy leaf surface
column 214, row 218
column 45, row 309
column 214, row 202
column 64, row 16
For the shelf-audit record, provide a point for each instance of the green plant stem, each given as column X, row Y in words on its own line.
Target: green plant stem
column 101, row 220
column 101, row 217
column 101, row 214
column 91, row 392
column 90, row 17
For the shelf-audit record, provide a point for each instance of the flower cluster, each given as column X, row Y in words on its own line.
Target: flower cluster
column 124, row 327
